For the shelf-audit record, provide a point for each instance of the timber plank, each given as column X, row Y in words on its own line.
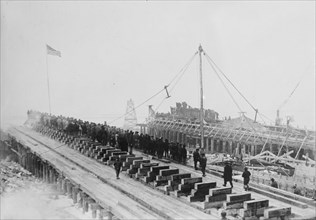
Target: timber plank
column 187, row 184
column 200, row 191
column 175, row 181
column 277, row 212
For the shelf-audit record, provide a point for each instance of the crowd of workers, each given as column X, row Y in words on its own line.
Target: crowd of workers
column 127, row 140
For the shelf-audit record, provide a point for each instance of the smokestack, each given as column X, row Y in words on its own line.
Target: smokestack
column 278, row 120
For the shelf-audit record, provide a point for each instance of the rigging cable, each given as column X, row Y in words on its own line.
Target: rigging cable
column 261, row 114
column 299, row 82
column 264, row 122
column 231, row 82
column 232, row 97
column 156, row 109
column 183, row 69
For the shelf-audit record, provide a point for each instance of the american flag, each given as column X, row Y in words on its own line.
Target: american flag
column 52, row 51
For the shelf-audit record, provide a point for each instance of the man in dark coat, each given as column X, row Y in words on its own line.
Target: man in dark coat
column 117, row 167
column 184, row 154
column 131, row 141
column 136, row 140
column 274, row 183
column 141, row 141
column 296, row 190
column 160, row 147
column 166, row 148
column 173, row 150
column 123, row 142
column 203, row 162
column 179, row 149
column 93, row 132
column 228, row 174
column 196, row 158
column 246, row 175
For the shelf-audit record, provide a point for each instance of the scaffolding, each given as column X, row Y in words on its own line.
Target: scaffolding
column 130, row 122
column 280, row 136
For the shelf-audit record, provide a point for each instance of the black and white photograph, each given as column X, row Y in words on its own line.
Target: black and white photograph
column 155, row 109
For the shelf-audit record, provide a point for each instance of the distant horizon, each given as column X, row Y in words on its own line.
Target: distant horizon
column 17, row 121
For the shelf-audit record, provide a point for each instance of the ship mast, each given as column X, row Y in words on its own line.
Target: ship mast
column 201, row 95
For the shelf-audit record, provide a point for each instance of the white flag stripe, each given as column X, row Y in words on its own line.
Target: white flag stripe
column 52, row 51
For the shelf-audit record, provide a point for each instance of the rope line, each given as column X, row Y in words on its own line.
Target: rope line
column 182, row 71
column 267, row 117
column 299, row 82
column 231, row 96
column 213, row 67
column 264, row 122
column 156, row 109
column 184, row 67
column 231, row 82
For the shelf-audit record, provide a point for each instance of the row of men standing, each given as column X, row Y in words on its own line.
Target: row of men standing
column 124, row 139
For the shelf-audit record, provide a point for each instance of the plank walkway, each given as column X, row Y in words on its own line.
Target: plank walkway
column 89, row 183
column 136, row 196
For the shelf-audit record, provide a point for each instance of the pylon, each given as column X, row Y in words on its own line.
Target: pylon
column 151, row 114
column 130, row 117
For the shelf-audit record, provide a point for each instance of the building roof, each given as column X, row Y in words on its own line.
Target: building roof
column 243, row 123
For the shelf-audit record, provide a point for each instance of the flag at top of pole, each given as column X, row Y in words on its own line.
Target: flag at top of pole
column 52, row 51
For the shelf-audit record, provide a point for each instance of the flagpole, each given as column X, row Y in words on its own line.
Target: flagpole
column 50, row 112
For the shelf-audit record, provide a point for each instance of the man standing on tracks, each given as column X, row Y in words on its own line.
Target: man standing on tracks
column 228, row 174
column 196, row 158
column 117, row 167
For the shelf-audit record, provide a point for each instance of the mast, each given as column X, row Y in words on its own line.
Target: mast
column 201, row 94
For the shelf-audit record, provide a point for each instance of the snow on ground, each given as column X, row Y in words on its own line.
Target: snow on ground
column 30, row 198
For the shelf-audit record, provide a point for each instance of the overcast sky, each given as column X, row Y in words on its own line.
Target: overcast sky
column 116, row 51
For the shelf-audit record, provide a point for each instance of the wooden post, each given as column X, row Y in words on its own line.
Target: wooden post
column 207, row 145
column 101, row 213
column 75, row 191
column 212, row 146
column 230, row 150
column 110, row 215
column 224, row 147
